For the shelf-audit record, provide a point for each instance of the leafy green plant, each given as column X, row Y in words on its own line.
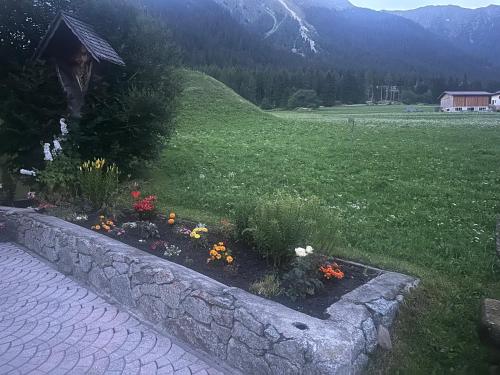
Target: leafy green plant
column 304, row 277
column 58, row 180
column 147, row 230
column 268, row 286
column 280, row 223
column 98, row 182
column 243, row 211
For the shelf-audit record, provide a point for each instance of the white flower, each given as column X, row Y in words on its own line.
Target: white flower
column 64, row 127
column 27, row 172
column 57, row 146
column 300, row 252
column 46, row 152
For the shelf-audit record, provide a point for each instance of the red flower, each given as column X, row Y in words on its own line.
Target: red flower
column 145, row 205
column 135, row 194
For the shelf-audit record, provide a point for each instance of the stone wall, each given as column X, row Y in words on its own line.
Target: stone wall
column 252, row 334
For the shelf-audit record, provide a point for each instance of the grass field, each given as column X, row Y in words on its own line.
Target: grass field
column 414, row 192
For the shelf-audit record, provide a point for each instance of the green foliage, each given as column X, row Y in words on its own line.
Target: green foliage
column 132, row 128
column 31, row 103
column 128, row 114
column 242, row 213
column 269, row 286
column 304, row 278
column 304, row 98
column 58, row 180
column 281, row 222
column 147, row 230
column 98, row 182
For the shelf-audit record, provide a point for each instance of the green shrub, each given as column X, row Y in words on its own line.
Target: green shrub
column 268, row 286
column 304, row 98
column 304, row 277
column 243, row 211
column 98, row 182
column 58, row 180
column 280, row 223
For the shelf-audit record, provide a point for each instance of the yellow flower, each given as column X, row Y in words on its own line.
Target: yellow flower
column 213, row 253
column 229, row 259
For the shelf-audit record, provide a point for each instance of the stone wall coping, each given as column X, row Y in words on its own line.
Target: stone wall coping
column 250, row 333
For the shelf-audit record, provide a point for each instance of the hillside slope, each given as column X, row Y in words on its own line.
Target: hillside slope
column 204, row 94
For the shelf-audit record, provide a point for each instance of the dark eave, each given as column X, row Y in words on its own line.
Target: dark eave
column 99, row 49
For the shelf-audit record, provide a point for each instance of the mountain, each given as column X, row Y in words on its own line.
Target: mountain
column 321, row 33
column 473, row 30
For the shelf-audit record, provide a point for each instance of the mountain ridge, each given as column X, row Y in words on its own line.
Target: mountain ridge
column 472, row 30
column 331, row 33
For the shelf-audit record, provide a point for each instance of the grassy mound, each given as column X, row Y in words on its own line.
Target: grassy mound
column 415, row 192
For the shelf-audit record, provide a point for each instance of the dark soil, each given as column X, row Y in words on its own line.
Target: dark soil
column 248, row 265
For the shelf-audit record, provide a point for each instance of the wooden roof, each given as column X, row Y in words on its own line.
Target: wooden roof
column 98, row 48
column 466, row 93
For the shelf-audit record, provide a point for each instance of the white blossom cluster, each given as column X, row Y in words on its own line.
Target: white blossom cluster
column 48, row 154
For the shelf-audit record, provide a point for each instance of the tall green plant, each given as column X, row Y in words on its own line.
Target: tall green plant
column 98, row 182
column 280, row 223
column 58, row 180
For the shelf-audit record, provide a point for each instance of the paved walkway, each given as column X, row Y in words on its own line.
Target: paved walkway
column 49, row 324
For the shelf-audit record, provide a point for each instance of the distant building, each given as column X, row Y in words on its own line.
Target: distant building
column 465, row 101
column 495, row 102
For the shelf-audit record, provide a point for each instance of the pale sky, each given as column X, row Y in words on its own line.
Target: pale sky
column 411, row 4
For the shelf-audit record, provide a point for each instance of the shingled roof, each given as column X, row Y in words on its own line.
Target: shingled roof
column 98, row 48
column 465, row 93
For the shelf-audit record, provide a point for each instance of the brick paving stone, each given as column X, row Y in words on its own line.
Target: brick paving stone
column 50, row 324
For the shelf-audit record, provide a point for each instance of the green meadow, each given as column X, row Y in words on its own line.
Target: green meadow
column 413, row 192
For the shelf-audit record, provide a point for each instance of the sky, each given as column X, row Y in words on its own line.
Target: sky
column 411, row 4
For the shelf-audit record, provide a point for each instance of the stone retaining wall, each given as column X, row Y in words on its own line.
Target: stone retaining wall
column 252, row 334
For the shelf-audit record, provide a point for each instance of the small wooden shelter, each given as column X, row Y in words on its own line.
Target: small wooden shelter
column 75, row 49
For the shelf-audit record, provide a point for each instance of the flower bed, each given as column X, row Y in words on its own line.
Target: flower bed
column 255, row 335
column 176, row 243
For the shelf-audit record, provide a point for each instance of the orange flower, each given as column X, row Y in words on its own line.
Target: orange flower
column 172, row 215
column 229, row 259
column 171, row 221
column 330, row 272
